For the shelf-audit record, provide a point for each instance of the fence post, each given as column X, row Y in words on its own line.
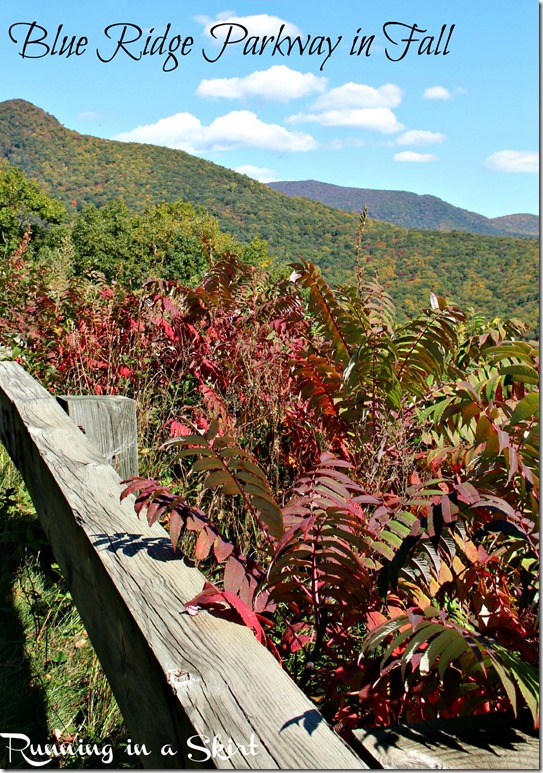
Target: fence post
column 109, row 422
column 183, row 683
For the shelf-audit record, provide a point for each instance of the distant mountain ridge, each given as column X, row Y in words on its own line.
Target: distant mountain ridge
column 410, row 210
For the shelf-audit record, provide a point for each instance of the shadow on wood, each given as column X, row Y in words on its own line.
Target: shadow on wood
column 175, row 677
column 488, row 742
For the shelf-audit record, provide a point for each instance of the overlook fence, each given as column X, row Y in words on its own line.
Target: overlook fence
column 182, row 681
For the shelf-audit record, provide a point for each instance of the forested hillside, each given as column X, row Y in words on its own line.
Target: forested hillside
column 356, row 474
column 409, row 209
column 498, row 276
column 523, row 225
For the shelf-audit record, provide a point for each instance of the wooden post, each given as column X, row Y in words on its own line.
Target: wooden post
column 178, row 680
column 109, row 422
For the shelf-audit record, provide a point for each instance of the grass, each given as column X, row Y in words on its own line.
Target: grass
column 52, row 686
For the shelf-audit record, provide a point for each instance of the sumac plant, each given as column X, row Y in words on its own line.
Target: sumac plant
column 393, row 569
column 361, row 492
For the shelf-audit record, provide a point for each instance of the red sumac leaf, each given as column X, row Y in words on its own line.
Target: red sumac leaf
column 467, row 493
column 211, row 596
column 141, row 501
column 204, row 544
column 222, row 549
column 446, row 508
column 249, row 618
column 154, row 512
column 234, row 574
column 177, row 429
column 176, row 524
column 136, row 484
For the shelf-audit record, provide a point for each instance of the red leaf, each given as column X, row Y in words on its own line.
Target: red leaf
column 446, row 508
column 203, row 544
column 177, row 429
column 153, row 512
column 167, row 329
column 247, row 615
column 374, row 619
column 176, row 523
column 136, row 484
column 234, row 574
column 467, row 493
column 211, row 596
column 222, row 549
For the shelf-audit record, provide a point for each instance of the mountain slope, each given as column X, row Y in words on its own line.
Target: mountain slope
column 409, row 210
column 496, row 275
column 524, row 224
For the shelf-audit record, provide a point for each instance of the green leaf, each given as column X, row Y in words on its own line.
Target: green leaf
column 392, row 539
column 212, row 431
column 525, row 677
column 384, row 630
column 236, row 452
column 251, row 480
column 395, row 643
column 270, row 513
column 207, row 463
column 528, row 685
column 186, row 440
column 399, row 529
column 382, row 549
column 484, row 429
column 454, row 649
column 258, row 491
column 435, row 649
column 507, row 683
column 221, row 478
column 424, row 632
column 526, row 408
column 522, row 373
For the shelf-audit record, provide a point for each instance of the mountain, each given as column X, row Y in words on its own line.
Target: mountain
column 497, row 275
column 409, row 210
column 522, row 225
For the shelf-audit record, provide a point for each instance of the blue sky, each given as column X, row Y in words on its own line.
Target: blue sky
column 462, row 125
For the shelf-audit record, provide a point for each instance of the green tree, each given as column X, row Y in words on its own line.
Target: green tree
column 24, row 205
column 103, row 241
column 178, row 241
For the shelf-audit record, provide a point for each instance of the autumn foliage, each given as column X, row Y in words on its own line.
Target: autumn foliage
column 361, row 493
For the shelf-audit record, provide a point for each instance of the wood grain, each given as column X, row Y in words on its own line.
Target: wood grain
column 487, row 742
column 173, row 675
column 109, row 422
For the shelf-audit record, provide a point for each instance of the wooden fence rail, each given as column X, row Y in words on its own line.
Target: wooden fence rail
column 181, row 681
column 174, row 676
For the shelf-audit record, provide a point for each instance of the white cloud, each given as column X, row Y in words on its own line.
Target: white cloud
column 347, row 142
column 358, row 95
column 437, row 92
column 278, row 83
column 411, row 156
column 238, row 129
column 260, row 173
column 257, row 24
column 380, row 119
column 89, row 115
column 420, row 137
column 513, row 161
column 357, row 106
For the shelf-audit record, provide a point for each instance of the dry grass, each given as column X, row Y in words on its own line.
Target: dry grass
column 52, row 686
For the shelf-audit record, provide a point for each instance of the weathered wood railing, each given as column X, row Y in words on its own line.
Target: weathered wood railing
column 174, row 676
column 179, row 681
